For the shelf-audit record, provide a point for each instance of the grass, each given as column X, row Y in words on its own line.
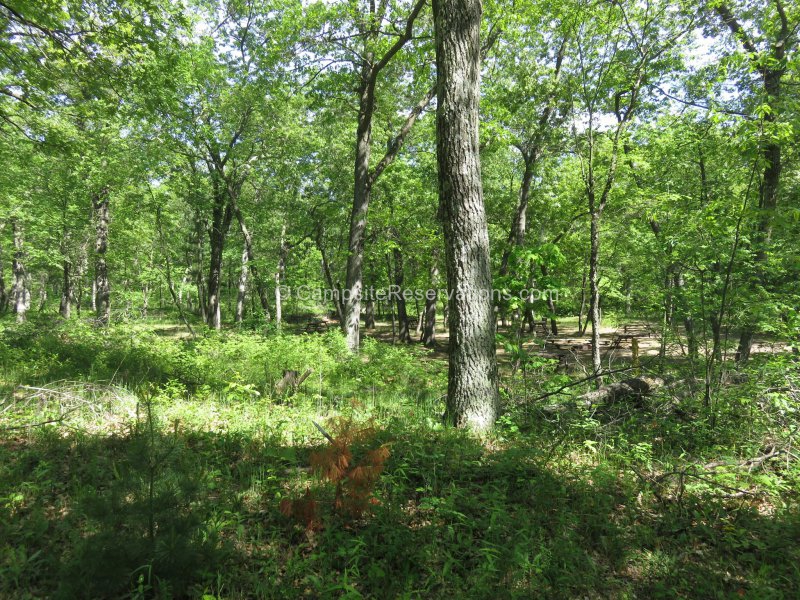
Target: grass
column 163, row 473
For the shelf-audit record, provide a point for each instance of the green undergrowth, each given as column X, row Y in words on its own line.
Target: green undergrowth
column 163, row 472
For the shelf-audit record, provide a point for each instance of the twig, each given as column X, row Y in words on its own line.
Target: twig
column 322, row 431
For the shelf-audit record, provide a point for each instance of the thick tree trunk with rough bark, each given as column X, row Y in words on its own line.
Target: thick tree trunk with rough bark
column 102, row 284
column 358, row 216
column 472, row 394
column 20, row 292
column 431, row 297
column 404, row 334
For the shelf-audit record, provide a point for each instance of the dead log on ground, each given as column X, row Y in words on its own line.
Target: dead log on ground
column 633, row 388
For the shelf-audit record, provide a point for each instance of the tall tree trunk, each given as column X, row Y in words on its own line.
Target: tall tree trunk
column 261, row 287
column 43, row 290
column 369, row 314
column 334, row 289
column 581, row 324
column 81, row 271
column 199, row 259
column 102, row 285
column 283, row 252
column 594, row 291
column 20, row 294
column 391, row 298
column 431, row 297
column 358, row 216
column 3, row 295
column 716, row 338
column 241, row 294
column 691, row 338
column 516, row 236
column 65, row 307
column 772, row 69
column 551, row 304
column 472, row 394
column 222, row 215
column 404, row 334
column 371, row 67
column 666, row 320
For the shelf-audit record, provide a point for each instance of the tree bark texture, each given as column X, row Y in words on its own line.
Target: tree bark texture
column 472, row 394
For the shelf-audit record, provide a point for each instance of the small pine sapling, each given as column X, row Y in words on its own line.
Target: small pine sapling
column 344, row 463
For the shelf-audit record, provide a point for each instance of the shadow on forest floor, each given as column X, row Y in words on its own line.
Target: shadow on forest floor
column 181, row 511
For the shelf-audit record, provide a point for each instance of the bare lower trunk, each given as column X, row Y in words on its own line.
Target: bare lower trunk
column 43, row 291
column 3, row 295
column 391, row 296
column 581, row 323
column 261, row 287
column 667, row 317
column 283, row 252
column 80, row 273
column 361, row 197
column 716, row 338
column 404, row 335
column 199, row 259
column 220, row 223
column 594, row 292
column 355, row 257
column 551, row 304
column 364, row 179
column 241, row 294
column 102, row 286
column 326, row 271
column 369, row 314
column 691, row 338
column 431, row 296
column 745, row 345
column 20, row 294
column 472, row 394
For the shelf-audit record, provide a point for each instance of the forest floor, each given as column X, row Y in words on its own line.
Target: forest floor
column 139, row 462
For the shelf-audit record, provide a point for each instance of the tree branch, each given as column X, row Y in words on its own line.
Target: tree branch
column 397, row 142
